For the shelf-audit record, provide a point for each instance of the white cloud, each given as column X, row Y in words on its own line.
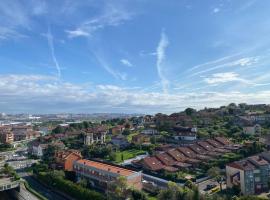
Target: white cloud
column 223, row 78
column 43, row 94
column 161, row 55
column 77, row 33
column 126, row 62
column 112, row 16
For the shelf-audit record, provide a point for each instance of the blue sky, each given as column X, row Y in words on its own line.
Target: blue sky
column 143, row 56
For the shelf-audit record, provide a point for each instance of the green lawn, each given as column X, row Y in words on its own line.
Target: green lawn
column 129, row 137
column 128, row 154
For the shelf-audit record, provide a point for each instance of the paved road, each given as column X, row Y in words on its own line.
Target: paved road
column 26, row 195
column 204, row 184
column 46, row 192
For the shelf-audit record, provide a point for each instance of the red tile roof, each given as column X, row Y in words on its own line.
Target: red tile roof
column 258, row 160
column 152, row 163
column 165, row 159
column 206, row 146
column 177, row 155
column 197, row 149
column 214, row 143
column 106, row 167
column 187, row 152
column 223, row 140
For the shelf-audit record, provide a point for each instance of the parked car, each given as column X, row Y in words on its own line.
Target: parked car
column 210, row 186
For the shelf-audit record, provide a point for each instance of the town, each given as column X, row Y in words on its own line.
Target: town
column 212, row 153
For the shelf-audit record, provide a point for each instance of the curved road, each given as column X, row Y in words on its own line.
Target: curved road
column 46, row 192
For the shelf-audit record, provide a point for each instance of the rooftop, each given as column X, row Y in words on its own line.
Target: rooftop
column 106, row 167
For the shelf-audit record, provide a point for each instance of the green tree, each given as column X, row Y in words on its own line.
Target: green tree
column 138, row 195
column 216, row 174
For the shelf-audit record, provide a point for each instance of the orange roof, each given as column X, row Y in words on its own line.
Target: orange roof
column 106, row 167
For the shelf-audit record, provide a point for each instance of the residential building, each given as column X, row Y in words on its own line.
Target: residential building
column 117, row 130
column 24, row 133
column 95, row 135
column 149, row 131
column 185, row 133
column 120, row 141
column 6, row 137
column 37, row 149
column 186, row 136
column 251, row 175
column 141, row 139
column 252, row 130
column 65, row 159
column 152, row 164
column 101, row 175
column 173, row 159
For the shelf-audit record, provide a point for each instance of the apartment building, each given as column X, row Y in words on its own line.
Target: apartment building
column 24, row 133
column 101, row 175
column 64, row 159
column 95, row 135
column 251, row 175
column 6, row 137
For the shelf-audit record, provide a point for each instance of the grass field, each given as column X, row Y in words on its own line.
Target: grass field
column 128, row 154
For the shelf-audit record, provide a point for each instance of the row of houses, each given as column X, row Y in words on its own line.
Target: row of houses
column 251, row 175
column 175, row 159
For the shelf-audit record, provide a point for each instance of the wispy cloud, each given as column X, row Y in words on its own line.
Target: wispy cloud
column 240, row 62
column 224, row 78
column 50, row 40
column 161, row 55
column 116, row 74
column 112, row 16
column 126, row 62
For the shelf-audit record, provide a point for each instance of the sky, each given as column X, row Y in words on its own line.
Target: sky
column 139, row 56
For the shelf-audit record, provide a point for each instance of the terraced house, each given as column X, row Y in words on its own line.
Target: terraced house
column 173, row 159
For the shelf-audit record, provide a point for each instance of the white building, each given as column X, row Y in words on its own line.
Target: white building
column 190, row 136
column 38, row 149
column 149, row 131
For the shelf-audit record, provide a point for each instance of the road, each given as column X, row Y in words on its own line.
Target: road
column 37, row 186
column 204, row 184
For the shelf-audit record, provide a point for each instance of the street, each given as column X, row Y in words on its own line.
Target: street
column 202, row 186
column 37, row 186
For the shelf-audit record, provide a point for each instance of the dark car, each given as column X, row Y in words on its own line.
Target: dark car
column 209, row 187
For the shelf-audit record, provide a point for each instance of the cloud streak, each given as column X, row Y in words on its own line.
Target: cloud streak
column 161, row 56
column 224, row 78
column 111, row 16
column 126, row 62
column 51, row 47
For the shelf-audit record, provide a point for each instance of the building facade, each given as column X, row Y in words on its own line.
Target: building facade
column 101, row 175
column 251, row 175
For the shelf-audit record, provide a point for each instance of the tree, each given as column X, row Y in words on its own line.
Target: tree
column 138, row 195
column 190, row 111
column 215, row 173
column 58, row 129
column 118, row 189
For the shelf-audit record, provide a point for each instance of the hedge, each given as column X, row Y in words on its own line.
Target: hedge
column 70, row 188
